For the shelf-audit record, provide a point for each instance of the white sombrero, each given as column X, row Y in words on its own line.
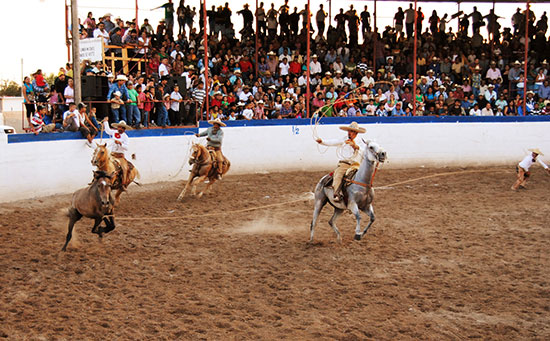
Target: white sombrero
column 354, row 127
column 121, row 78
column 121, row 124
column 536, row 151
column 217, row 121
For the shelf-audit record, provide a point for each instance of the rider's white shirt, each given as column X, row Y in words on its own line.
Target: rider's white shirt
column 123, row 138
column 527, row 162
column 346, row 152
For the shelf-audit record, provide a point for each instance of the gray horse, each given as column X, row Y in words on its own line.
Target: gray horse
column 94, row 201
column 359, row 194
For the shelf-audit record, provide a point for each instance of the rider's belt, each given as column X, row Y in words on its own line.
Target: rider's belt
column 118, row 155
column 345, row 161
column 214, row 148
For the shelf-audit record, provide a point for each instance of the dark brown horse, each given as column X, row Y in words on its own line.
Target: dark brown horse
column 203, row 168
column 103, row 160
column 94, row 201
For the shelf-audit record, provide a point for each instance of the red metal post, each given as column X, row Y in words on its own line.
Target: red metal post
column 308, row 90
column 137, row 23
column 492, row 33
column 415, row 35
column 206, row 85
column 526, row 56
column 67, row 32
column 256, row 42
column 375, row 40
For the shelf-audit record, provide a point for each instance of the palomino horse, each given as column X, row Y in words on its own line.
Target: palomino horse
column 103, row 160
column 358, row 195
column 202, row 169
column 94, row 201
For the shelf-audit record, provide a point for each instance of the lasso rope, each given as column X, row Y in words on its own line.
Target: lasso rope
column 304, row 198
column 190, row 143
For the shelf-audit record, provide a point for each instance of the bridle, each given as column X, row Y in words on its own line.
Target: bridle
column 373, row 174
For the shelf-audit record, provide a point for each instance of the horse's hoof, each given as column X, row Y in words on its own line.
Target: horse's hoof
column 357, row 237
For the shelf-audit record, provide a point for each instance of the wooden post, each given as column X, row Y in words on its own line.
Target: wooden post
column 256, row 43
column 76, row 52
column 206, row 86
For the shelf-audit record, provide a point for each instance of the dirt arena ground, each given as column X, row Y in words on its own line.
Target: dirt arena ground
column 449, row 257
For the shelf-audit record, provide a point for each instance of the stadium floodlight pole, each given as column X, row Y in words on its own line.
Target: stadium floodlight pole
column 76, row 51
column 329, row 12
column 415, row 36
column 525, row 58
column 206, row 85
column 308, row 89
column 256, row 42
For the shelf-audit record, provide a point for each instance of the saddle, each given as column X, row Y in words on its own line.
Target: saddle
column 350, row 173
column 123, row 168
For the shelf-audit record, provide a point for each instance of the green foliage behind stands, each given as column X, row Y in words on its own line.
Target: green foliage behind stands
column 9, row 88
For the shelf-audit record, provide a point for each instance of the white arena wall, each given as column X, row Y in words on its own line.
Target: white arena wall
column 39, row 168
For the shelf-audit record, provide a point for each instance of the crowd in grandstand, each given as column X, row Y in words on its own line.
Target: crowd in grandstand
column 355, row 69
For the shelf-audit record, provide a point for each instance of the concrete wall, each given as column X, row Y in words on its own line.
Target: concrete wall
column 33, row 169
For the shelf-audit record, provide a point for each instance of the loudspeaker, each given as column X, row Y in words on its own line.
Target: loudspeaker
column 95, row 87
column 181, row 82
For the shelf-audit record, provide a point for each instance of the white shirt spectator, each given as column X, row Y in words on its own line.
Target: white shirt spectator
column 475, row 112
column 75, row 118
column 102, row 34
column 487, row 112
column 163, row 70
column 146, row 44
column 68, row 94
column 493, row 74
column 175, row 53
column 284, row 68
column 367, row 81
column 243, row 96
column 302, row 81
column 283, row 56
column 248, row 114
column 315, row 67
column 175, row 97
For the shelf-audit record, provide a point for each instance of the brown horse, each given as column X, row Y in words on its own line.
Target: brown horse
column 94, row 201
column 202, row 169
column 104, row 161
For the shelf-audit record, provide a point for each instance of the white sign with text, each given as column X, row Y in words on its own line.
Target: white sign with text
column 91, row 49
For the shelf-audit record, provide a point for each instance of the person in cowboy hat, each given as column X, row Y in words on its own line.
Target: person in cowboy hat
column 119, row 145
column 214, row 141
column 351, row 155
column 523, row 168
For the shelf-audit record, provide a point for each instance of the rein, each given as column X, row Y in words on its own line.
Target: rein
column 362, row 183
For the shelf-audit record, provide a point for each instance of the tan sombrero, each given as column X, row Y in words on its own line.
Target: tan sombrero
column 354, row 127
column 217, row 121
column 121, row 124
column 536, row 151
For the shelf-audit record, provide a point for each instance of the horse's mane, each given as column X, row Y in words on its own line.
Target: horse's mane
column 98, row 174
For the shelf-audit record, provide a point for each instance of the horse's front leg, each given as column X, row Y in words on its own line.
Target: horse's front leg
column 96, row 224
column 184, row 190
column 109, row 224
column 207, row 188
column 370, row 212
column 355, row 211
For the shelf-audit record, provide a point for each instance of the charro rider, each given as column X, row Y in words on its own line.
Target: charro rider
column 214, row 142
column 119, row 146
column 523, row 167
column 351, row 155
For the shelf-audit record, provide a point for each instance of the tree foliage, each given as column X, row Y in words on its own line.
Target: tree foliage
column 9, row 88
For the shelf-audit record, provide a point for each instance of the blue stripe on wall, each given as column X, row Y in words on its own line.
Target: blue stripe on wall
column 20, row 138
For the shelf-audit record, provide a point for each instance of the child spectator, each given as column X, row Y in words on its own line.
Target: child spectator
column 37, row 123
column 116, row 102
